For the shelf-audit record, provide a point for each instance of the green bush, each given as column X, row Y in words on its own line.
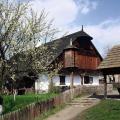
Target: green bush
column 8, row 104
column 55, row 89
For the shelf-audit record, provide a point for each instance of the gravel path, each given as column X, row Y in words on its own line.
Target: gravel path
column 74, row 108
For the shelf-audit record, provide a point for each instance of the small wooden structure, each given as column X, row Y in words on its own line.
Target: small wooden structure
column 110, row 65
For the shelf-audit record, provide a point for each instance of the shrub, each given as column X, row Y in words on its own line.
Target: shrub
column 55, row 89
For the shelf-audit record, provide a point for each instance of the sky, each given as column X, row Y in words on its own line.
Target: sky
column 101, row 18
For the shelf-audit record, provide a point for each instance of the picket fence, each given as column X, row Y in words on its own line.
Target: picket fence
column 34, row 110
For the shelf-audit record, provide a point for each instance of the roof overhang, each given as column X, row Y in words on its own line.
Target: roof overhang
column 110, row 71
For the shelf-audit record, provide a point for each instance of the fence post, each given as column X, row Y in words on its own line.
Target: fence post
column 30, row 112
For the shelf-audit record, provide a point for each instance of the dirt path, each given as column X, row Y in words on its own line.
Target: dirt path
column 74, row 108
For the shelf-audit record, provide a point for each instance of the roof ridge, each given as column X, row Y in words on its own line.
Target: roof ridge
column 71, row 34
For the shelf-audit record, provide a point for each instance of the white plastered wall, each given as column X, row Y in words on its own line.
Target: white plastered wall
column 43, row 82
column 95, row 80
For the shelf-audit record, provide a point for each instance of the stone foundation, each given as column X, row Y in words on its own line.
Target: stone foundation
column 96, row 89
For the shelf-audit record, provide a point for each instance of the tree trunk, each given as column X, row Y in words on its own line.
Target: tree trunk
column 51, row 85
column 3, row 70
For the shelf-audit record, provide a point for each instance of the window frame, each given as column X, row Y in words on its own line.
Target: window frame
column 88, row 80
column 62, row 80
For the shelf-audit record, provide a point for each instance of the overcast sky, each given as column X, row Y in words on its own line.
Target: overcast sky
column 101, row 18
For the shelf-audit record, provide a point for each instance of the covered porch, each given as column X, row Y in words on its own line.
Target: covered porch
column 110, row 68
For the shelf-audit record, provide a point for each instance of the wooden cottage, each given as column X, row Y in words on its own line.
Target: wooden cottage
column 78, row 60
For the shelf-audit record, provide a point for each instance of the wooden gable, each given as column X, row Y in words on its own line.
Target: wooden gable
column 85, row 57
column 82, row 54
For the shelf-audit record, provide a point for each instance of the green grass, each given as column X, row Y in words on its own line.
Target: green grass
column 106, row 110
column 23, row 100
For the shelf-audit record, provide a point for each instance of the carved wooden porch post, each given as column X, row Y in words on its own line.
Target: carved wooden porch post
column 81, row 79
column 105, row 86
column 72, row 80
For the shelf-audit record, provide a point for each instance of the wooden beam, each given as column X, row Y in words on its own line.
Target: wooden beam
column 72, row 80
column 81, row 79
column 105, row 86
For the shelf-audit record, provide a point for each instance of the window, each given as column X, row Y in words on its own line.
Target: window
column 62, row 80
column 88, row 80
column 101, row 81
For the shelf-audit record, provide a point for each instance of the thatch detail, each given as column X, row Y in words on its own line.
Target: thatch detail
column 112, row 60
column 64, row 42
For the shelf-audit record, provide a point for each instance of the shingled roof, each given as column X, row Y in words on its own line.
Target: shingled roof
column 54, row 49
column 112, row 60
column 64, row 42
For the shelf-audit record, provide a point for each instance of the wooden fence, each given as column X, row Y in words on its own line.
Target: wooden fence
column 34, row 110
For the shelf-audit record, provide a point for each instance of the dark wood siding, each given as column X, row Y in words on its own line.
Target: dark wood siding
column 69, row 59
column 84, row 56
column 86, row 62
column 74, row 59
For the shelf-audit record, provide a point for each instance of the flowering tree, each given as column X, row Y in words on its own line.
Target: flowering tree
column 21, row 30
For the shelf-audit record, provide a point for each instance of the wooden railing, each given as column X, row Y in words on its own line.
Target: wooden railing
column 34, row 110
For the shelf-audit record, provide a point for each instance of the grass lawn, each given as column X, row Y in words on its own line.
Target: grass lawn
column 23, row 100
column 106, row 110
